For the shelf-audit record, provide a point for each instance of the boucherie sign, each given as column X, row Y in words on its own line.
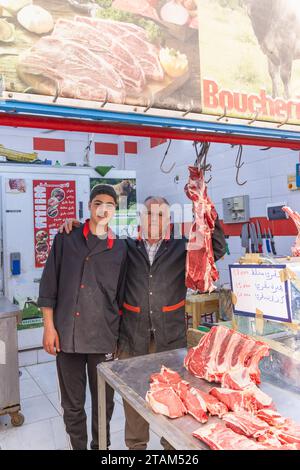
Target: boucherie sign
column 220, row 57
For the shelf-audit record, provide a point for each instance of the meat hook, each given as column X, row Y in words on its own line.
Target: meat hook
column 239, row 164
column 201, row 160
column 163, row 160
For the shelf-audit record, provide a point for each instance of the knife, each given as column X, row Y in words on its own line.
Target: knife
column 252, row 237
column 268, row 242
column 260, row 240
column 272, row 243
column 245, row 238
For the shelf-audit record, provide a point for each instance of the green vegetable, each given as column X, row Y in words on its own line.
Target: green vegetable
column 104, row 3
column 153, row 31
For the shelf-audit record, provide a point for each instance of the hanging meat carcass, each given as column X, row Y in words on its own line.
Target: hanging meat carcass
column 201, row 271
column 296, row 218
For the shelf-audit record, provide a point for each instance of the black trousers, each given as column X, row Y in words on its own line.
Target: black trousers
column 73, row 370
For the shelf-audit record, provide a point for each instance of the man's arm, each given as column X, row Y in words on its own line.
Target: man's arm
column 218, row 241
column 48, row 295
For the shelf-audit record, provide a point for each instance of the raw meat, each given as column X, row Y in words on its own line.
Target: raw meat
column 214, row 406
column 144, row 52
column 223, row 351
column 238, row 379
column 296, row 218
column 246, row 423
column 251, row 399
column 76, row 71
column 289, row 433
column 142, row 8
column 201, row 271
column 167, row 376
column 165, row 401
column 219, row 437
column 109, row 47
column 272, row 417
column 193, row 401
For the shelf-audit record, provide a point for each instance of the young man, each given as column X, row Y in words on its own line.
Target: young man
column 81, row 292
column 153, row 317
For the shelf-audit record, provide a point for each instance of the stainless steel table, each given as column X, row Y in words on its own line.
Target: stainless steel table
column 9, row 365
column 130, row 378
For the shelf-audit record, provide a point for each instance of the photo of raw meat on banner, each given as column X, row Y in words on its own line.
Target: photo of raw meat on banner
column 113, row 51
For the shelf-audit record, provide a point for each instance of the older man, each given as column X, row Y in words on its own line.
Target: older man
column 154, row 308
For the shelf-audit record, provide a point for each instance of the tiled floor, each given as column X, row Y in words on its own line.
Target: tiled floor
column 44, row 428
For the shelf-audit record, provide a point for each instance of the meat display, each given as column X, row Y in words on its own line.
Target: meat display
column 246, row 424
column 166, row 376
column 238, row 379
column 272, row 417
column 219, row 437
column 201, row 271
column 223, row 350
column 213, row 405
column 93, row 59
column 296, row 218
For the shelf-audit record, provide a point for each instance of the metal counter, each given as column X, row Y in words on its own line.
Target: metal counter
column 130, row 378
column 9, row 366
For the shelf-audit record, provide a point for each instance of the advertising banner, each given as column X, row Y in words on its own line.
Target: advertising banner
column 234, row 58
column 54, row 202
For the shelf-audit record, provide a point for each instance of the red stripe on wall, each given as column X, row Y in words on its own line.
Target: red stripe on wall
column 103, row 148
column 279, row 228
column 131, row 147
column 154, row 142
column 48, row 145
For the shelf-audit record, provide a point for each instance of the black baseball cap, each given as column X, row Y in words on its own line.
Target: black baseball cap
column 104, row 189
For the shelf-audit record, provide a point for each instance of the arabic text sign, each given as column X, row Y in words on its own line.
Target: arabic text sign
column 259, row 288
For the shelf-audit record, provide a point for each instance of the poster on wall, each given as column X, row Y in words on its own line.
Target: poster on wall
column 125, row 221
column 53, row 202
column 117, row 51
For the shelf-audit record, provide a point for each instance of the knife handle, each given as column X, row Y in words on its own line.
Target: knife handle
column 273, row 248
column 260, row 248
column 268, row 246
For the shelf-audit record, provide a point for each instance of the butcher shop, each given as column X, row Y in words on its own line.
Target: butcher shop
column 149, row 226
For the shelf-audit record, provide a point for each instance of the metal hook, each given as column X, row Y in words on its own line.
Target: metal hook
column 254, row 119
column 105, row 100
column 57, row 90
column 223, row 115
column 284, row 122
column 239, row 164
column 163, row 160
column 150, row 104
column 201, row 160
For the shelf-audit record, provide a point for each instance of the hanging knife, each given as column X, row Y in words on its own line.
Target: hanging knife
column 252, row 237
column 268, row 242
column 260, row 240
column 255, row 238
column 272, row 243
column 245, row 238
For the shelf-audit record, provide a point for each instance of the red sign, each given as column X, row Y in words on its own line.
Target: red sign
column 53, row 202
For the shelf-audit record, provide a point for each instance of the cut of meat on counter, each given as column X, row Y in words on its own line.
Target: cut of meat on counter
column 296, row 218
column 166, row 376
column 219, row 437
column 200, row 249
column 251, row 399
column 193, row 401
column 272, row 417
column 92, row 59
column 223, row 350
column 165, row 401
column 246, row 424
column 238, row 379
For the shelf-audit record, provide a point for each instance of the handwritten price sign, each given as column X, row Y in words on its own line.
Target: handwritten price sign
column 261, row 288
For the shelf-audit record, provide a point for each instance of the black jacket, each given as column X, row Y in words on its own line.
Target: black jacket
column 83, row 281
column 155, row 295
